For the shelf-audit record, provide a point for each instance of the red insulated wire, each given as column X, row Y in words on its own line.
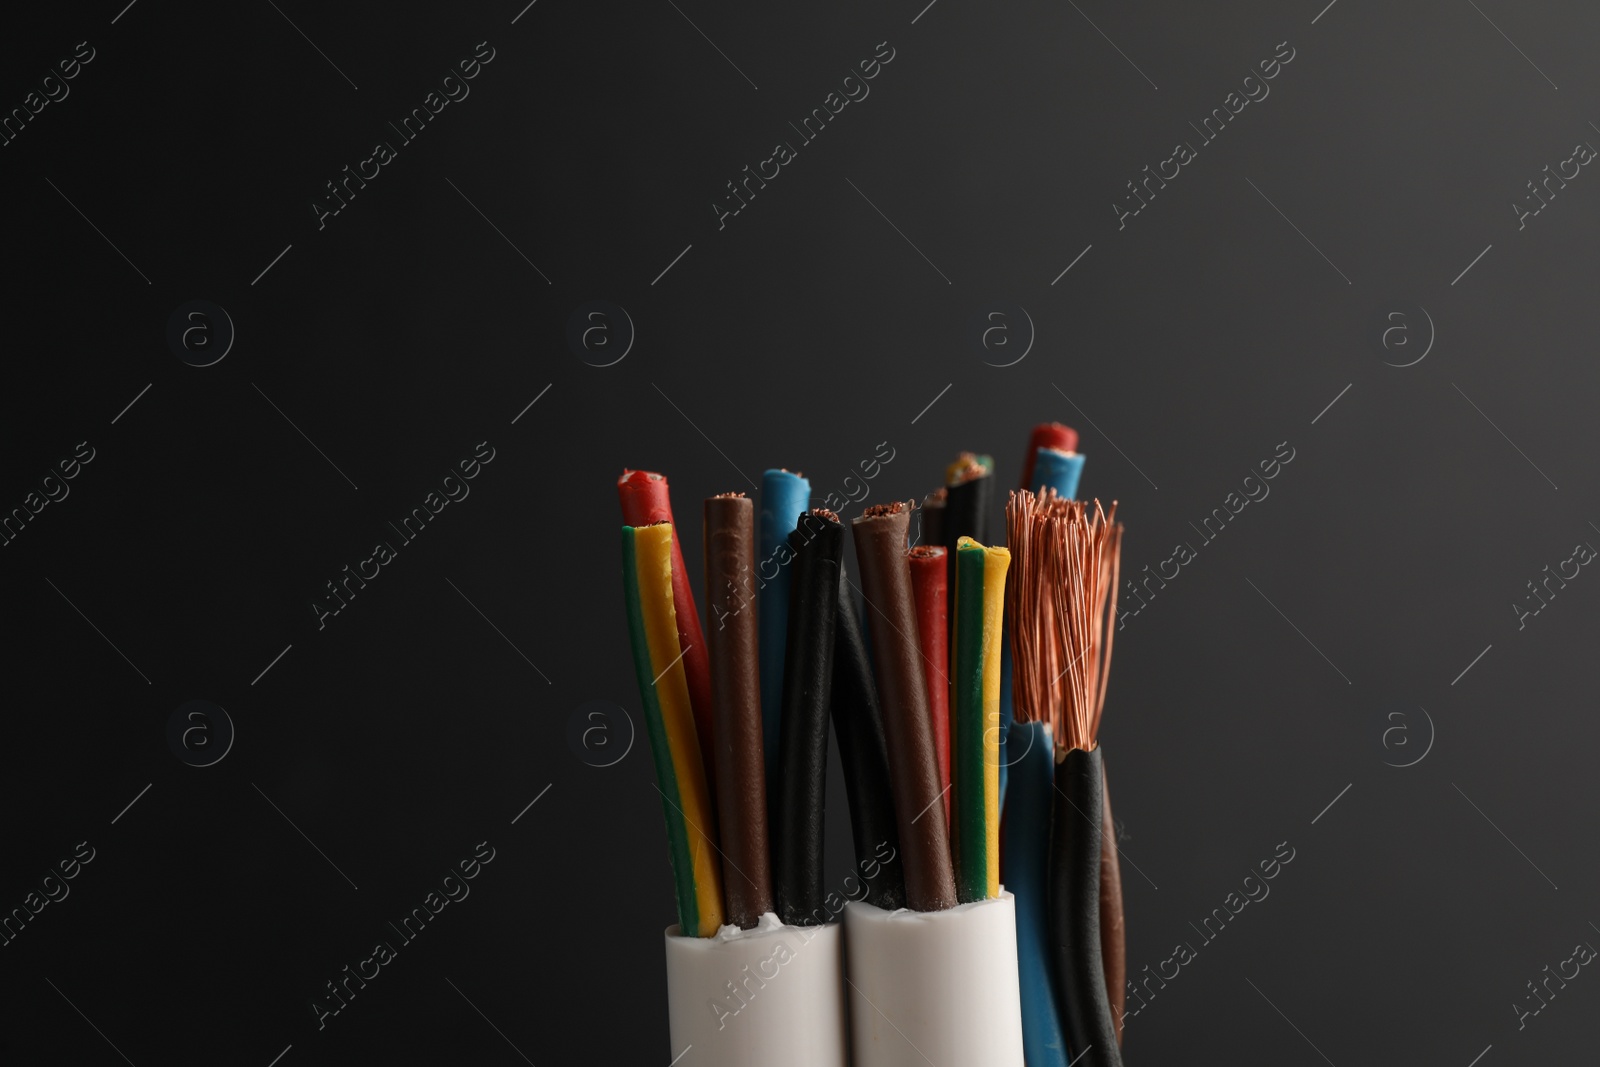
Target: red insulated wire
column 1047, row 435
column 929, row 578
column 645, row 500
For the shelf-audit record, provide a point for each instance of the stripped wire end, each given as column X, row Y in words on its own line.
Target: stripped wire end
column 1062, row 597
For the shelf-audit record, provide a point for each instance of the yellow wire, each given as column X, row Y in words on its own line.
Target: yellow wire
column 996, row 562
column 652, row 548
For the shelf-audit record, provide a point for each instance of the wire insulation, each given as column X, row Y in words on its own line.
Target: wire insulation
column 664, row 692
column 858, row 726
column 969, row 496
column 980, row 602
column 1053, row 469
column 880, row 539
column 1075, row 899
column 969, row 484
column 785, row 495
column 1025, row 865
column 818, row 545
column 741, row 794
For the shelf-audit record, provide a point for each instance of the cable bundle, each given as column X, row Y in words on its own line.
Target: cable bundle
column 800, row 1022
column 937, row 982
column 712, row 757
column 962, row 632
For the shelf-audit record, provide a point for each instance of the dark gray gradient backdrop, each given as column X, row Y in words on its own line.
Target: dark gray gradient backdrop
column 1222, row 320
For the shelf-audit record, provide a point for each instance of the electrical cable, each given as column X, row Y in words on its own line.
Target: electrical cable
column 975, row 778
column 929, row 567
column 969, row 485
column 1075, row 892
column 645, row 500
column 858, row 726
column 741, row 794
column 647, row 573
column 801, row 788
column 880, row 540
column 961, row 634
column 785, row 495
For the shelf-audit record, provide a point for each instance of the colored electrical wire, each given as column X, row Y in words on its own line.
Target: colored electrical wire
column 969, row 484
column 1111, row 922
column 645, row 500
column 801, row 789
column 1025, row 869
column 975, row 775
column 880, row 540
column 1113, row 935
column 741, row 794
column 785, row 495
column 929, row 566
column 1084, row 1005
column 1054, row 469
column 858, row 727
column 647, row 573
column 1046, row 435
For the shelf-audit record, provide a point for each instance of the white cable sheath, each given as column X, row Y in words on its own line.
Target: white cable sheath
column 768, row 997
column 934, row 987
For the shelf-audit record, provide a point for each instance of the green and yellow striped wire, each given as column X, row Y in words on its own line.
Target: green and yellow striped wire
column 664, row 691
column 980, row 577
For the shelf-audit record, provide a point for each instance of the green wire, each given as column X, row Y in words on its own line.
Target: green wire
column 660, row 748
column 966, row 772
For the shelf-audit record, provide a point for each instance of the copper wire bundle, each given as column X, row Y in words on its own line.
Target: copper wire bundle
column 1066, row 563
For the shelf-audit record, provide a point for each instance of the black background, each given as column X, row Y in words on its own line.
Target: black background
column 1185, row 346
